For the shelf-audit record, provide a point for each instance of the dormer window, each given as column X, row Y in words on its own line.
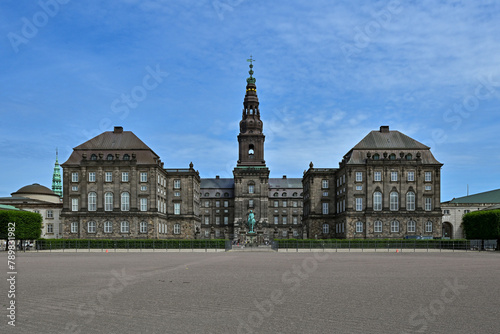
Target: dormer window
column 126, row 157
column 93, row 157
column 109, row 157
column 409, row 156
column 376, row 156
column 392, row 157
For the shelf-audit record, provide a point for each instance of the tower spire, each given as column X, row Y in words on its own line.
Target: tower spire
column 56, row 177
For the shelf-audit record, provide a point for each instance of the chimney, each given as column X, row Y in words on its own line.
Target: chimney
column 284, row 176
column 384, row 129
column 217, row 177
column 118, row 129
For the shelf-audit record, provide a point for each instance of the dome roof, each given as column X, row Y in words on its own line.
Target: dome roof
column 34, row 188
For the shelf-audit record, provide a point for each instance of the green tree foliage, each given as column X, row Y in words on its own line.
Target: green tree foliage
column 28, row 225
column 482, row 224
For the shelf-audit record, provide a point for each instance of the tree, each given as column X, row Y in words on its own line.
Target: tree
column 26, row 225
column 482, row 225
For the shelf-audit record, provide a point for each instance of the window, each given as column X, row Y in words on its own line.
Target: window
column 91, row 176
column 125, row 201
column 177, row 229
column 124, row 227
column 446, row 212
column 466, row 211
column 226, row 194
column 217, row 194
column 177, row 184
column 394, row 226
column 359, row 177
column 92, row 201
column 428, row 204
column 394, row 199
column 284, row 234
column 91, row 227
column 276, row 204
column 207, row 204
column 50, row 214
column 324, row 184
column 428, row 227
column 428, row 188
column 394, row 176
column 359, row 227
column 283, row 195
column 325, row 193
column 428, row 176
column 74, row 204
column 144, row 177
column 411, row 176
column 377, row 226
column 295, row 195
column 376, row 156
column 126, row 157
column 359, row 204
column 74, row 177
column 325, row 208
column 177, row 208
column 109, row 157
column 377, row 201
column 411, row 226
column 226, row 204
column 392, row 156
column 217, row 220
column 144, row 188
column 108, row 227
column 275, row 194
column 108, row 201
column 74, row 227
column 409, row 156
column 143, row 227
column 177, row 193
column 108, row 176
column 410, row 201
column 285, row 220
column 294, row 204
column 251, row 188
column 226, row 220
column 295, row 220
column 377, row 176
column 276, row 220
column 144, row 204
column 124, row 176
column 93, row 157
column 250, row 203
column 284, row 204
column 74, row 188
column 50, row 228
column 217, row 204
column 326, row 228
column 359, row 187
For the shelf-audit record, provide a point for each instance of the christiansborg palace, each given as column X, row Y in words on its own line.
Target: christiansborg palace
column 115, row 186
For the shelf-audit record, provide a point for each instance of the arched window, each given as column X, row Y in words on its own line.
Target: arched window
column 91, row 227
column 206, row 194
column 108, row 227
column 411, row 226
column 217, row 194
column 409, row 156
column 226, row 194
column 359, row 227
column 394, row 226
column 250, row 149
column 326, row 228
column 93, row 157
column 109, row 157
column 124, row 227
column 108, row 201
column 177, row 229
column 275, row 194
column 377, row 201
column 92, row 201
column 394, row 201
column 251, row 188
column 283, row 195
column 126, row 157
column 295, row 194
column 376, row 156
column 428, row 227
column 143, row 227
column 377, row 226
column 410, row 201
column 392, row 156
column 125, row 201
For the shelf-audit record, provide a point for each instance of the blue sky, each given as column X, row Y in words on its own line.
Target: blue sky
column 328, row 72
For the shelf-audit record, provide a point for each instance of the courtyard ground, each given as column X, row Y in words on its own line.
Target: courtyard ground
column 254, row 292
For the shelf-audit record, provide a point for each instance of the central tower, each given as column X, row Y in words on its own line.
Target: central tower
column 251, row 176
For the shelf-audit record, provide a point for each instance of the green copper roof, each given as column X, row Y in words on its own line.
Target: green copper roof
column 56, row 178
column 488, row 197
column 8, row 207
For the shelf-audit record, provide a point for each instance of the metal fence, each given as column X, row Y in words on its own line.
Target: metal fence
column 376, row 245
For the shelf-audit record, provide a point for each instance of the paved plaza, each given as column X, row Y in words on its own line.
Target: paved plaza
column 255, row 292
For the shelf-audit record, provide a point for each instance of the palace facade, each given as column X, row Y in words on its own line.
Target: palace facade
column 115, row 186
